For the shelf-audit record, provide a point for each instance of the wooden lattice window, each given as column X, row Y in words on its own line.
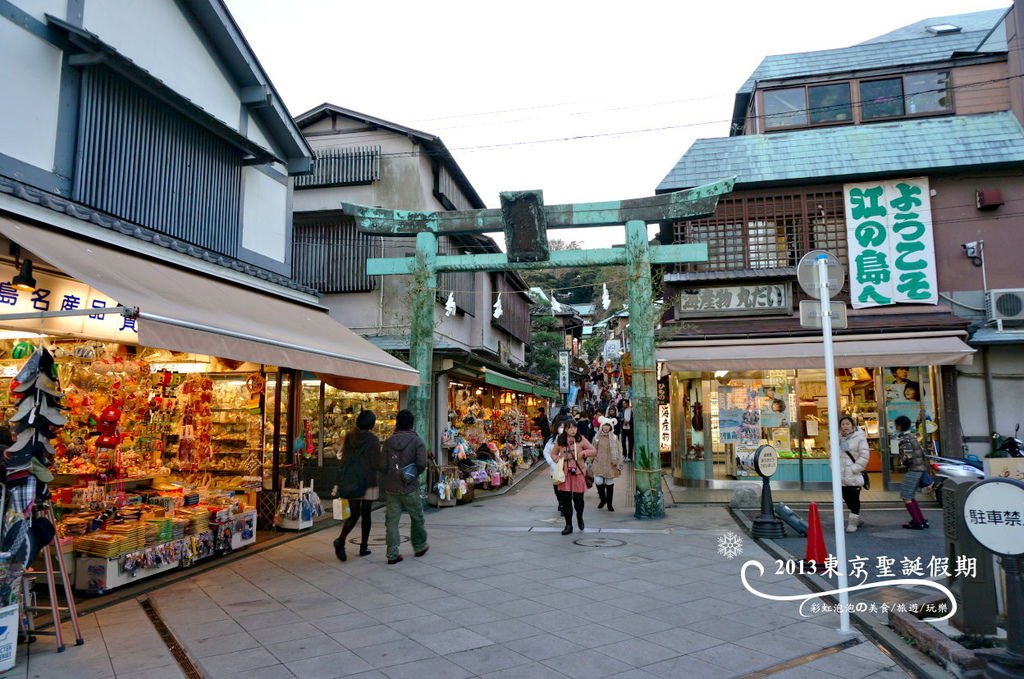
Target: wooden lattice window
column 766, row 231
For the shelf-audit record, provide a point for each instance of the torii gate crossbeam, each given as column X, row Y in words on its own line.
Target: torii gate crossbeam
column 524, row 219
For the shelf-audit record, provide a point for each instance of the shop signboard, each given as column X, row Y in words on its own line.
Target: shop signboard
column 890, row 242
column 736, row 300
column 563, row 371
column 664, row 428
column 663, row 391
column 56, row 293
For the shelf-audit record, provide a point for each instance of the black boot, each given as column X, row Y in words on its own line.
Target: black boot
column 579, row 519
column 602, row 491
column 610, row 494
column 567, row 513
column 339, row 549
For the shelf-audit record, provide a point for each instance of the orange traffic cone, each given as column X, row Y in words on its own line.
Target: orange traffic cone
column 816, row 552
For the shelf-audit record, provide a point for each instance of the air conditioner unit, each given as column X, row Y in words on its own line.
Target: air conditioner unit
column 1005, row 305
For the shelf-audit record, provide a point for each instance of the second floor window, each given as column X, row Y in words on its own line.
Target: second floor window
column 815, row 105
column 911, row 94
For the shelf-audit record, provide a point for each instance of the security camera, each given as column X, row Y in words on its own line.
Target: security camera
column 973, row 250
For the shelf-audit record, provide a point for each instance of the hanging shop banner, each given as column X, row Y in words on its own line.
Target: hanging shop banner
column 664, row 428
column 563, row 371
column 663, row 391
column 55, row 293
column 891, row 247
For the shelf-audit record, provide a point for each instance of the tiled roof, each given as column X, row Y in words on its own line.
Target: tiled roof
column 905, row 46
column 85, row 213
column 734, row 275
column 917, row 145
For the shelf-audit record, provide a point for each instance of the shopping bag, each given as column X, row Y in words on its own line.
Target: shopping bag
column 558, row 472
column 340, row 509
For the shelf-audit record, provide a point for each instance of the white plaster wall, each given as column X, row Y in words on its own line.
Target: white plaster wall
column 1007, row 365
column 264, row 215
column 317, row 200
column 357, row 311
column 406, row 181
column 38, row 9
column 255, row 133
column 158, row 37
column 28, row 131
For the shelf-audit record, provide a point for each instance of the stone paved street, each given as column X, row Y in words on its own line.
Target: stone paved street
column 501, row 594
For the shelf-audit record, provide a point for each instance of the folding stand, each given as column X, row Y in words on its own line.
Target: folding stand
column 45, row 510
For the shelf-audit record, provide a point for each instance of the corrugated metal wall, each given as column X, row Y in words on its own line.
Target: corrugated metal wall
column 515, row 317
column 447, row 185
column 142, row 161
column 342, row 166
column 462, row 283
column 330, row 255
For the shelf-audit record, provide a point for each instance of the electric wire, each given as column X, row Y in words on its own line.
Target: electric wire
column 863, row 65
column 662, row 128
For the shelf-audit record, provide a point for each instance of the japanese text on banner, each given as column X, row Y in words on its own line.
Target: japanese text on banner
column 891, row 247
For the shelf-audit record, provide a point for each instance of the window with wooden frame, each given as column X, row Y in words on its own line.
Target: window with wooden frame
column 907, row 95
column 766, row 231
column 826, row 104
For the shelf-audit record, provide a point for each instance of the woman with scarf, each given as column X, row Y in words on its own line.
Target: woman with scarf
column 607, row 463
column 572, row 450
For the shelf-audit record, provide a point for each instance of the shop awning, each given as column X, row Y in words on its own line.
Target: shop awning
column 505, row 382
column 189, row 312
column 851, row 351
column 996, row 336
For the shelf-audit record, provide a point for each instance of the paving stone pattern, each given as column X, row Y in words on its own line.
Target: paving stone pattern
column 501, row 594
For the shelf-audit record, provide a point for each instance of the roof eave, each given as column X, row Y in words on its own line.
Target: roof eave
column 434, row 144
column 238, row 55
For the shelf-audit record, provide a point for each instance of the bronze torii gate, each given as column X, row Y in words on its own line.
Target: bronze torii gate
column 525, row 219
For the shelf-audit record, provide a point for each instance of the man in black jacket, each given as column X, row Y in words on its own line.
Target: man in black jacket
column 403, row 459
column 541, row 422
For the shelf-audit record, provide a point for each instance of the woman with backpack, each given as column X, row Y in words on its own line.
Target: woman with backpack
column 357, row 480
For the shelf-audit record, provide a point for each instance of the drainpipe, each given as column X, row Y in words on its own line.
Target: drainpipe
column 990, row 409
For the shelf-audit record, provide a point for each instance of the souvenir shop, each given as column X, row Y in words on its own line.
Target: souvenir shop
column 488, row 436
column 143, row 459
column 714, row 416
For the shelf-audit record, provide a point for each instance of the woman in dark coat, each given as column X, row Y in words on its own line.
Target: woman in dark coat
column 365, row 446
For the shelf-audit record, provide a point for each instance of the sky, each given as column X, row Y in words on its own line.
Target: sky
column 587, row 101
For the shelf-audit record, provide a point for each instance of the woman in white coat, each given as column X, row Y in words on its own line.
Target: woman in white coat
column 854, row 456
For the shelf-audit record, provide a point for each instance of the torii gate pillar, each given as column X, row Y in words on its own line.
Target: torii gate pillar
column 524, row 218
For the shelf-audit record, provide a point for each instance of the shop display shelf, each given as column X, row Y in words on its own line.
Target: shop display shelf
column 97, row 574
column 71, row 479
column 237, row 539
